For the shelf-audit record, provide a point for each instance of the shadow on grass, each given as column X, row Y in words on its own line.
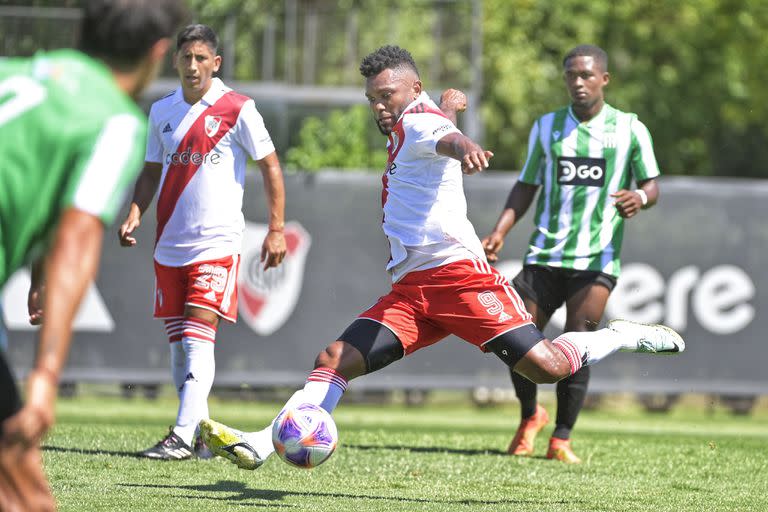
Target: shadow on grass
column 363, row 447
column 83, row 451
column 241, row 492
column 423, row 449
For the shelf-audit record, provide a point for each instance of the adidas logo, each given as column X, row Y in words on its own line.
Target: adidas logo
column 503, row 317
column 211, row 295
column 167, row 128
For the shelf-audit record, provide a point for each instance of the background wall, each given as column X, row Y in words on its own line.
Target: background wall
column 693, row 262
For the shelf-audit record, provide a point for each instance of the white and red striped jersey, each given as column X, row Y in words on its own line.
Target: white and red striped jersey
column 203, row 149
column 425, row 210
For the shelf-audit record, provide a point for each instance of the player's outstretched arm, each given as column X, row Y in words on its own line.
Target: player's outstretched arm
column 143, row 192
column 453, row 101
column 70, row 267
column 630, row 202
column 273, row 249
column 519, row 200
column 473, row 158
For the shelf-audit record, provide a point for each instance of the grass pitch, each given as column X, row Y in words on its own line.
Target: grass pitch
column 440, row 458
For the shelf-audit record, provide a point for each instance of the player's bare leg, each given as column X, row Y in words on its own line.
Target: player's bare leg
column 585, row 309
column 533, row 417
column 549, row 361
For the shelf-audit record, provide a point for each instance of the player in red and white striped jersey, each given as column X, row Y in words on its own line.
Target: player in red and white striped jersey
column 199, row 141
column 442, row 282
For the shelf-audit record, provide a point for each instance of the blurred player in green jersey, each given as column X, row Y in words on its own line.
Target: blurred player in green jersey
column 584, row 157
column 73, row 140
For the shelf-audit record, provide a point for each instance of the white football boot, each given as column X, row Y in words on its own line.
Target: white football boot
column 650, row 338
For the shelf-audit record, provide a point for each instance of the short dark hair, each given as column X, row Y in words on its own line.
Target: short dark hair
column 589, row 50
column 387, row 57
column 121, row 32
column 197, row 32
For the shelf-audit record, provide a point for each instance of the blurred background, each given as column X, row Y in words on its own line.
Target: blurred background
column 694, row 71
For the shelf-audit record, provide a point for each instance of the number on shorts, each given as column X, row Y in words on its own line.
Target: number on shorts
column 490, row 302
column 211, row 277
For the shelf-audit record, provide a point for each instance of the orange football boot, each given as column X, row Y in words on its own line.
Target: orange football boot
column 560, row 449
column 522, row 443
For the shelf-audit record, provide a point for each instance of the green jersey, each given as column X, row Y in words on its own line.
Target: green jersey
column 579, row 165
column 70, row 138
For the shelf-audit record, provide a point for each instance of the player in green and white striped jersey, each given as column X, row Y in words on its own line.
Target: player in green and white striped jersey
column 73, row 140
column 584, row 158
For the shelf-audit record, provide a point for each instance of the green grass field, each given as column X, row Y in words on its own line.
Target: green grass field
column 443, row 457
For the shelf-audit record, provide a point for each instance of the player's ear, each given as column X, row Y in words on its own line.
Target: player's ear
column 216, row 63
column 159, row 49
column 416, row 88
column 606, row 78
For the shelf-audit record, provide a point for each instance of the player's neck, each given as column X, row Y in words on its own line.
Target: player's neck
column 587, row 114
column 193, row 96
column 132, row 82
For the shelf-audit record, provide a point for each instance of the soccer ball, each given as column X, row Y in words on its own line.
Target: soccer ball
column 304, row 435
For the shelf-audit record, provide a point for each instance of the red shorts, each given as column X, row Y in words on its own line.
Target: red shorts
column 468, row 298
column 208, row 284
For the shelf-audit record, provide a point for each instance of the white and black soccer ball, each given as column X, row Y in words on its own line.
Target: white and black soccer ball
column 304, row 435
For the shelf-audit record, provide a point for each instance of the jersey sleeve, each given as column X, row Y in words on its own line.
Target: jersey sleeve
column 423, row 131
column 108, row 163
column 642, row 157
column 154, row 152
column 251, row 133
column 533, row 170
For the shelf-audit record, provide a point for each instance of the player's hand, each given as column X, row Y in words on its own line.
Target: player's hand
column 273, row 249
column 124, row 234
column 35, row 304
column 627, row 202
column 453, row 100
column 27, row 427
column 23, row 485
column 492, row 244
column 22, row 481
column 475, row 161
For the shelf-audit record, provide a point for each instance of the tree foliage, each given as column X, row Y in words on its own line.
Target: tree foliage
column 693, row 70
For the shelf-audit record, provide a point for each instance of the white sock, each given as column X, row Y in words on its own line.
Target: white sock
column 587, row 348
column 324, row 387
column 178, row 365
column 198, row 343
column 173, row 329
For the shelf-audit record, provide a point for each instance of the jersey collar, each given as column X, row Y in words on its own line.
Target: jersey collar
column 216, row 91
column 599, row 118
column 422, row 98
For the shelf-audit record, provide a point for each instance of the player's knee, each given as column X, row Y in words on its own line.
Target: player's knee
column 330, row 357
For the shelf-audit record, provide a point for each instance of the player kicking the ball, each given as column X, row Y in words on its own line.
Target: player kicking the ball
column 442, row 282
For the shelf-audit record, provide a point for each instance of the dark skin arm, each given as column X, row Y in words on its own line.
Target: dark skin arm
column 143, row 192
column 519, row 200
column 473, row 158
column 629, row 202
column 453, row 101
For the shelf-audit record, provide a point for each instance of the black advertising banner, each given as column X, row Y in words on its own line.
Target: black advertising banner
column 693, row 262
